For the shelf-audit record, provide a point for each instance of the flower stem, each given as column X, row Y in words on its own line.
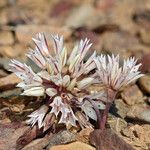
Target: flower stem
column 104, row 116
column 111, row 94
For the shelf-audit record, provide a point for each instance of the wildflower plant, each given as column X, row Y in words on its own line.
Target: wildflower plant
column 63, row 79
column 60, row 79
column 114, row 76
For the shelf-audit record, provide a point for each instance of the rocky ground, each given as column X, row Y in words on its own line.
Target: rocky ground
column 114, row 26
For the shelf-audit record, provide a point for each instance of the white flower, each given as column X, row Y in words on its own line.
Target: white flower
column 114, row 76
column 34, row 91
column 68, row 117
column 38, row 116
column 60, row 79
column 56, row 105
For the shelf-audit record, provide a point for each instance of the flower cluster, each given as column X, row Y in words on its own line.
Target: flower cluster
column 62, row 77
column 114, row 76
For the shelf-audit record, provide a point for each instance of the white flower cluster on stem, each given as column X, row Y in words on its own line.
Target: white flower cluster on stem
column 63, row 76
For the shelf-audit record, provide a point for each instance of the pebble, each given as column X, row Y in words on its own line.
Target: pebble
column 145, row 83
column 132, row 95
column 6, row 38
column 73, row 146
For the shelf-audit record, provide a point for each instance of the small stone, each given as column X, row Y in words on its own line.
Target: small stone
column 62, row 137
column 73, row 146
column 145, row 36
column 79, row 16
column 122, row 108
column 139, row 112
column 117, row 124
column 38, row 144
column 9, row 51
column 108, row 140
column 145, row 83
column 138, row 136
column 6, row 38
column 9, row 81
column 10, row 93
column 132, row 95
column 9, row 133
column 25, row 33
column 4, row 18
column 119, row 43
column 3, row 73
column 83, row 135
column 145, row 61
column 3, row 3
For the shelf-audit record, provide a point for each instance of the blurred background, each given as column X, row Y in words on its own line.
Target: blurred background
column 114, row 26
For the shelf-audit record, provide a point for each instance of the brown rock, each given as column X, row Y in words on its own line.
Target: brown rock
column 145, row 83
column 38, row 144
column 3, row 3
column 3, row 73
column 139, row 112
column 9, row 81
column 11, row 93
column 4, row 18
column 61, row 137
column 138, row 136
column 83, row 135
column 145, row 61
column 6, row 38
column 79, row 16
column 122, row 108
column 24, row 33
column 117, row 124
column 119, row 43
column 73, row 146
column 9, row 133
column 145, row 36
column 108, row 140
column 9, row 51
column 132, row 95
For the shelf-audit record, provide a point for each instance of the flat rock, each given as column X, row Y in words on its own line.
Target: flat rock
column 122, row 108
column 132, row 95
column 61, row 137
column 79, row 16
column 4, row 18
column 145, row 36
column 11, row 52
column 25, row 33
column 9, row 81
column 6, row 38
column 138, row 136
column 117, row 124
column 145, row 83
column 123, row 43
column 83, row 135
column 3, row 3
column 108, row 140
column 9, row 133
column 38, row 144
column 10, row 93
column 73, row 146
column 139, row 112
